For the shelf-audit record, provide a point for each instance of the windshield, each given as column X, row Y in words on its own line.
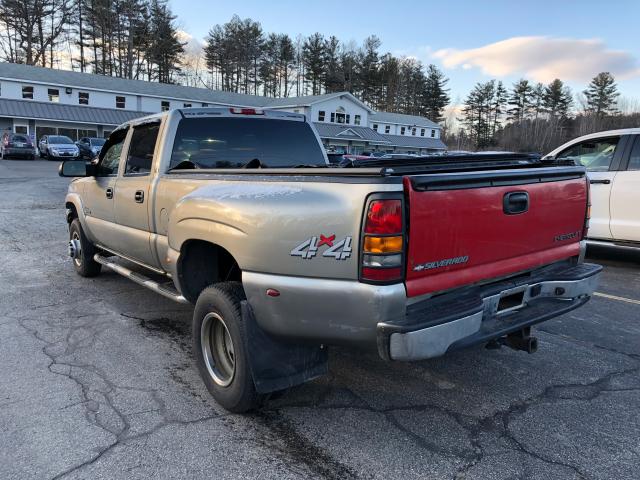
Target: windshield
column 20, row 139
column 97, row 142
column 234, row 142
column 60, row 140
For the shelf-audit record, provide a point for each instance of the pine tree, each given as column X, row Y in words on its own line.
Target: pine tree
column 313, row 57
column 334, row 76
column 520, row 100
column 557, row 99
column 368, row 60
column 602, row 95
column 436, row 96
column 165, row 48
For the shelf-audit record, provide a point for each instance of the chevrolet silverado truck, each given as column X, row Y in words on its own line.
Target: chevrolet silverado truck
column 238, row 212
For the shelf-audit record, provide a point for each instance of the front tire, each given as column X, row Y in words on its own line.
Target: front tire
column 84, row 264
column 220, row 348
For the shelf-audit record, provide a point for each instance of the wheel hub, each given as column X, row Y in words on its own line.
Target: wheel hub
column 217, row 349
column 74, row 248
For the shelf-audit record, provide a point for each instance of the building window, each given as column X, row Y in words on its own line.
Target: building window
column 27, row 93
column 83, row 98
column 375, row 127
column 413, row 131
column 402, row 130
column 333, row 117
column 387, row 129
column 321, row 116
column 356, row 120
column 186, row 105
column 348, row 118
column 433, row 133
column 422, row 132
column 121, row 102
column 205, row 104
column 54, row 95
column 164, row 106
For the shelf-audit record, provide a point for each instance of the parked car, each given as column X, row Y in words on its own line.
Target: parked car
column 282, row 258
column 56, row 147
column 612, row 160
column 16, row 145
column 335, row 158
column 90, row 146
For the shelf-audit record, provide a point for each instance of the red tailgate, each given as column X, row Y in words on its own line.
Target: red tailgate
column 459, row 236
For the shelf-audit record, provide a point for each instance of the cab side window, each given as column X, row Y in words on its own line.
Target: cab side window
column 142, row 146
column 110, row 160
column 596, row 154
column 634, row 158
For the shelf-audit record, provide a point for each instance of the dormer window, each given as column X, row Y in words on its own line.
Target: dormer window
column 375, row 127
column 356, row 120
column 387, row 129
column 340, row 116
column 422, row 132
column 321, row 116
column 121, row 102
column 433, row 134
column 413, row 131
column 403, row 130
column 164, row 106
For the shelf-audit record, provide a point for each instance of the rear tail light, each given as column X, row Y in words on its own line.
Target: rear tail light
column 246, row 111
column 587, row 215
column 383, row 242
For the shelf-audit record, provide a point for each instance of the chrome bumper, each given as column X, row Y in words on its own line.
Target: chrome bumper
column 481, row 322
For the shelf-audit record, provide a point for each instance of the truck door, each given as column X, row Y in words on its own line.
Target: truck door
column 99, row 193
column 625, row 197
column 600, row 156
column 132, row 196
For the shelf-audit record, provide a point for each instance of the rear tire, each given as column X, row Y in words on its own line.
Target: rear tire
column 85, row 265
column 220, row 349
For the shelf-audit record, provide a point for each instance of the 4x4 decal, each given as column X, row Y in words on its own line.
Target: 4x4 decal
column 340, row 250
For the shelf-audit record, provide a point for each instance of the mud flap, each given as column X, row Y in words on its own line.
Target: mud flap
column 277, row 365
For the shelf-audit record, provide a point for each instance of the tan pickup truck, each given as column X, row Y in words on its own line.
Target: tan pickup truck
column 282, row 254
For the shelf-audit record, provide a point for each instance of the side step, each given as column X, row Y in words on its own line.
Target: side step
column 141, row 279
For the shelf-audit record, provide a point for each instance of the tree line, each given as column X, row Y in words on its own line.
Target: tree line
column 134, row 39
column 536, row 117
column 139, row 39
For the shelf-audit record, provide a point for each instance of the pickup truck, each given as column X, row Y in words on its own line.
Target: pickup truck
column 237, row 211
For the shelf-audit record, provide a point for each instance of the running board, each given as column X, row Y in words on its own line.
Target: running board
column 141, row 279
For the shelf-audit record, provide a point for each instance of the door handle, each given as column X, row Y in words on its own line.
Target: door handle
column 109, row 192
column 515, row 202
column 139, row 196
column 606, row 181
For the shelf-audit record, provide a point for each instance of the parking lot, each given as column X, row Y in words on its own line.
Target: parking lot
column 97, row 381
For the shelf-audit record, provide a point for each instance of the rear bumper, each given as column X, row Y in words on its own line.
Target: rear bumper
column 19, row 151
column 468, row 317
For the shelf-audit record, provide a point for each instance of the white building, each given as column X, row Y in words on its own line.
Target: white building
column 39, row 101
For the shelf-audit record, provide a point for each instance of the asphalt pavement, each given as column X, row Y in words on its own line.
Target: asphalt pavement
column 97, row 381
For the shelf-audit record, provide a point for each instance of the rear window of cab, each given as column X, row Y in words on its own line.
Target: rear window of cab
column 245, row 142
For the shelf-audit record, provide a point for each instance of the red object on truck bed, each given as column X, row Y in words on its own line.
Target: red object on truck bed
column 471, row 227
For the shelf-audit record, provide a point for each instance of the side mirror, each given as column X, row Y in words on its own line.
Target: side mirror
column 73, row 168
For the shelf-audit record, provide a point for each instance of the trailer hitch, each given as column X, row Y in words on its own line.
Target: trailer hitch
column 520, row 340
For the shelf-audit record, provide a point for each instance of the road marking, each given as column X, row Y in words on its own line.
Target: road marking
column 614, row 297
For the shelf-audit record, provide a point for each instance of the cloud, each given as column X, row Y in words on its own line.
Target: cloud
column 193, row 45
column 543, row 59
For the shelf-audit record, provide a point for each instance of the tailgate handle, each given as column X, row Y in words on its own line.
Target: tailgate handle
column 515, row 202
column 606, row 181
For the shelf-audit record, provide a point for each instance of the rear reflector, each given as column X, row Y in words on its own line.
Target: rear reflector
column 381, row 260
column 384, row 217
column 381, row 274
column 246, row 111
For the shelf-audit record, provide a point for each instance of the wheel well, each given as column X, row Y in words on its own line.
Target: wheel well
column 202, row 264
column 71, row 212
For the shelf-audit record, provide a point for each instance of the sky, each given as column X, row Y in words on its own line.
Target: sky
column 471, row 41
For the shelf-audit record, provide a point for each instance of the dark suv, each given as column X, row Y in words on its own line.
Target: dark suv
column 16, row 145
